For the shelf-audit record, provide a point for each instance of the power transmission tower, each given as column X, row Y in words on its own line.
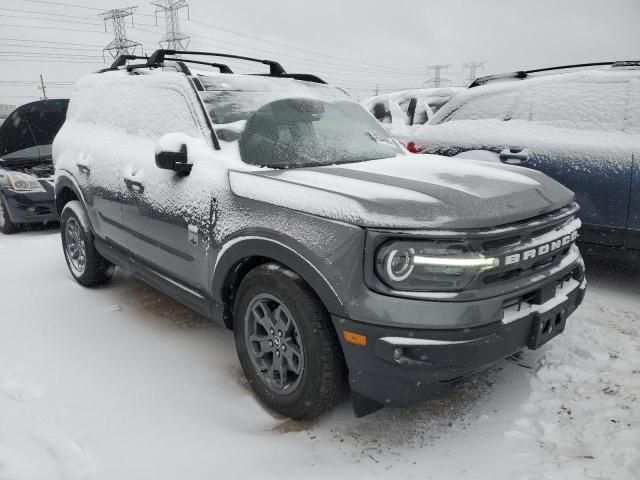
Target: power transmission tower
column 473, row 67
column 120, row 45
column 437, row 80
column 43, row 88
column 174, row 39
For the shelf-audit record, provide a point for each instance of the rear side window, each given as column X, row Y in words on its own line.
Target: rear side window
column 579, row 105
column 136, row 107
column 632, row 117
column 497, row 105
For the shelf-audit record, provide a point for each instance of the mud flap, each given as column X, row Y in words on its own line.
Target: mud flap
column 363, row 406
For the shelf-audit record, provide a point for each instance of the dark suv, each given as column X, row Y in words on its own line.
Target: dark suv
column 280, row 208
column 26, row 168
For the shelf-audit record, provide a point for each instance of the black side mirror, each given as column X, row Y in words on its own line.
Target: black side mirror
column 176, row 161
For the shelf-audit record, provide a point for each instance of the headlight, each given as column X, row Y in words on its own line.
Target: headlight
column 21, row 182
column 430, row 266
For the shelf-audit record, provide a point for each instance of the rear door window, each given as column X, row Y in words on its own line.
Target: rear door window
column 579, row 105
column 498, row 105
column 632, row 117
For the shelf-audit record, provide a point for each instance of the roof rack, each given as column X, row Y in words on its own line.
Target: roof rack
column 157, row 57
column 522, row 74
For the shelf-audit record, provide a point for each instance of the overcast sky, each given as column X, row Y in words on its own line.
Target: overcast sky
column 359, row 45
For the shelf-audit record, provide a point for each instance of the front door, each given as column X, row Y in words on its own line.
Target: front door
column 167, row 216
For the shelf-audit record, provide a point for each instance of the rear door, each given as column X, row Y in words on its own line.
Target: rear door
column 576, row 137
column 632, row 129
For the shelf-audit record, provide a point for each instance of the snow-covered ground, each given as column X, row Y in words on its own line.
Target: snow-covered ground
column 123, row 383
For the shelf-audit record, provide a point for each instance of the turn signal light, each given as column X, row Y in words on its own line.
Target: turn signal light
column 354, row 338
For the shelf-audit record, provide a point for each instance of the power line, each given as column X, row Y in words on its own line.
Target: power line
column 40, row 27
column 65, row 48
column 50, row 20
column 308, row 61
column 49, row 42
column 17, row 10
column 63, row 4
column 301, row 49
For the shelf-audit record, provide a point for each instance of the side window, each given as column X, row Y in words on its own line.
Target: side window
column 497, row 105
column 141, row 109
column 380, row 110
column 632, row 117
column 580, row 105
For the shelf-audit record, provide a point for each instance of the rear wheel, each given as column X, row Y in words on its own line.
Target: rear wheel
column 286, row 344
column 6, row 225
column 86, row 265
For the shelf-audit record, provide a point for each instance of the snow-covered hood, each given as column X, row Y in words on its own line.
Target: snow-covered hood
column 408, row 191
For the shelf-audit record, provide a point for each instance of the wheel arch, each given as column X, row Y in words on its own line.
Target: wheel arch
column 65, row 191
column 241, row 255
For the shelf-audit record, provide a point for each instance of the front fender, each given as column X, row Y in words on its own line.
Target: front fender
column 295, row 256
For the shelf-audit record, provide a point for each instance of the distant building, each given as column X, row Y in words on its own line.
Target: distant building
column 5, row 110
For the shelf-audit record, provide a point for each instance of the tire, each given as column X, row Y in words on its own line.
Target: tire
column 86, row 265
column 321, row 381
column 6, row 225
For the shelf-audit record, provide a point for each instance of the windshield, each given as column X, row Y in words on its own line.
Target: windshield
column 291, row 124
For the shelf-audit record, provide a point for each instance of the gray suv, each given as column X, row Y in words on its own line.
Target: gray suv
column 277, row 206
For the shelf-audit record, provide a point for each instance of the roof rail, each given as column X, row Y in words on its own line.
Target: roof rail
column 501, row 76
column 626, row 63
column 157, row 57
column 522, row 74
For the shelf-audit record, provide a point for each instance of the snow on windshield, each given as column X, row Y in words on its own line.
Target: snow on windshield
column 286, row 123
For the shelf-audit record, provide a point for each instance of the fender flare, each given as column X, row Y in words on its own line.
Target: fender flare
column 63, row 182
column 296, row 258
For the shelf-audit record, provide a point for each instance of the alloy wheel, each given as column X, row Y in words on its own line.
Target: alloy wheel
column 274, row 344
column 75, row 247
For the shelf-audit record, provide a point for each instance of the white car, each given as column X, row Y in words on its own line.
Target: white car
column 408, row 108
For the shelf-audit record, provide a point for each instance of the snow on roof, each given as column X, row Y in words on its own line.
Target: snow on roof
column 547, row 90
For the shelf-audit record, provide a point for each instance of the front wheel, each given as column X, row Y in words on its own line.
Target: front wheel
column 286, row 344
column 86, row 265
column 6, row 225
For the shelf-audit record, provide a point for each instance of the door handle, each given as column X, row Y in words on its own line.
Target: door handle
column 514, row 155
column 134, row 185
column 82, row 168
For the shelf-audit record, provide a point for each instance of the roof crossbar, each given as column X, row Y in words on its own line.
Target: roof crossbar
column 121, row 60
column 220, row 66
column 157, row 57
column 522, row 74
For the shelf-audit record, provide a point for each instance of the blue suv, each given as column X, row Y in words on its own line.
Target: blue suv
column 581, row 127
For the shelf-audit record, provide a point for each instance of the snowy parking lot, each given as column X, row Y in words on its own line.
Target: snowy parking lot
column 122, row 383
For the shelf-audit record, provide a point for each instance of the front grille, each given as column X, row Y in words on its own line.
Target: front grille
column 523, row 242
column 537, row 266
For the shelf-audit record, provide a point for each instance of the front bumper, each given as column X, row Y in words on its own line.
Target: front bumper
column 402, row 366
column 31, row 207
